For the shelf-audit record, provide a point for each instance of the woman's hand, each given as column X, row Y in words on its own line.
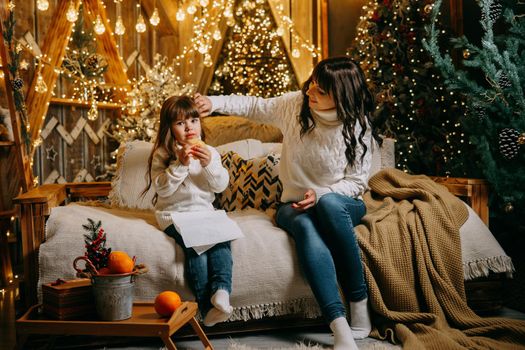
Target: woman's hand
column 307, row 202
column 202, row 154
column 183, row 154
column 203, row 104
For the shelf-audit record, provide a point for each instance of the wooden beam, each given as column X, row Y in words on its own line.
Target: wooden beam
column 107, row 46
column 53, row 50
column 23, row 164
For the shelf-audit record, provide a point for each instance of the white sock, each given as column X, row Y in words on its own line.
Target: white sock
column 360, row 319
column 215, row 316
column 221, row 300
column 343, row 339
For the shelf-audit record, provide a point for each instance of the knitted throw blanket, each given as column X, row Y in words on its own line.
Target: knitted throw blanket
column 411, row 251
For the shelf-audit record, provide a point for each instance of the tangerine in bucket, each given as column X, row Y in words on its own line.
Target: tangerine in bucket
column 120, row 262
column 167, row 302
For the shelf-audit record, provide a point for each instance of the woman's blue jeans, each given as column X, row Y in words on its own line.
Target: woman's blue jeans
column 327, row 249
column 208, row 272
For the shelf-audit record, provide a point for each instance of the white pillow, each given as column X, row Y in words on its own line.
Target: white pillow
column 131, row 177
column 247, row 149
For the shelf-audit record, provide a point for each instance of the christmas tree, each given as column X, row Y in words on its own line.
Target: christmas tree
column 491, row 79
column 412, row 102
column 140, row 116
column 254, row 60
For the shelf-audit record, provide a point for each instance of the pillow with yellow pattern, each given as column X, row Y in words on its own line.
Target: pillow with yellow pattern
column 254, row 183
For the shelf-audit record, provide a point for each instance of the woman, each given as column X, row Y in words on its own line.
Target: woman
column 326, row 156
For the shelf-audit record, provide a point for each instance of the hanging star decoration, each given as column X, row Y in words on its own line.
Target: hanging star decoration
column 24, row 65
column 51, row 153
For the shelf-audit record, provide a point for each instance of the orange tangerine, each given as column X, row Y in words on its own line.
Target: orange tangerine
column 167, row 302
column 120, row 262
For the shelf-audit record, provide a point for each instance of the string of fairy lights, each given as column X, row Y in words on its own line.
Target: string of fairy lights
column 377, row 55
column 206, row 17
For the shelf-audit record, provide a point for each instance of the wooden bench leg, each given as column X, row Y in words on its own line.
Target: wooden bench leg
column 202, row 336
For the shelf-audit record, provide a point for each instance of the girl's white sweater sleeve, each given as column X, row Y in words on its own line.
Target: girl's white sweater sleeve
column 167, row 179
column 215, row 173
column 275, row 110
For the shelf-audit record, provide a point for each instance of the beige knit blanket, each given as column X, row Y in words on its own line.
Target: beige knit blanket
column 411, row 250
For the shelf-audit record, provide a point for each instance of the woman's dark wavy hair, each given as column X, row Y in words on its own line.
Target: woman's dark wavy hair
column 345, row 82
column 173, row 109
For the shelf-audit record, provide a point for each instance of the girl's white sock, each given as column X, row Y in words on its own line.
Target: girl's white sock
column 343, row 339
column 360, row 319
column 221, row 300
column 215, row 316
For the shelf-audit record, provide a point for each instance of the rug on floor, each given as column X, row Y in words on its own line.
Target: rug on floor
column 362, row 344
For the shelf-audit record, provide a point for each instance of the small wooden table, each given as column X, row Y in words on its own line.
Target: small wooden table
column 144, row 322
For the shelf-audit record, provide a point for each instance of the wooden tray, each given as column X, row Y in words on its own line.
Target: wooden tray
column 144, row 322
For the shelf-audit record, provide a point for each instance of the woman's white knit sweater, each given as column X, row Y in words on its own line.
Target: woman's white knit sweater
column 317, row 160
column 185, row 188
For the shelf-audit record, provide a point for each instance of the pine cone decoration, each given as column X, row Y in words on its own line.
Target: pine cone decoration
column 504, row 81
column 494, row 12
column 18, row 83
column 508, row 143
column 92, row 63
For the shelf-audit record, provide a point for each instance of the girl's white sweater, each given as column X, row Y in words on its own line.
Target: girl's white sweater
column 185, row 188
column 317, row 160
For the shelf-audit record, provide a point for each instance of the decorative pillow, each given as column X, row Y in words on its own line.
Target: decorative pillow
column 131, row 177
column 254, row 183
column 249, row 148
column 221, row 130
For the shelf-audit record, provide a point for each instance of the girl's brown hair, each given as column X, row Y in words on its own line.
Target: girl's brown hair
column 174, row 108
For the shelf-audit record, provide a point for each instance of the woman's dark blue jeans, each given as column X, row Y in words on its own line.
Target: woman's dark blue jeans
column 327, row 248
column 208, row 272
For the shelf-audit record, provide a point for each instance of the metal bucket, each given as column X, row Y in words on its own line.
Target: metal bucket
column 113, row 296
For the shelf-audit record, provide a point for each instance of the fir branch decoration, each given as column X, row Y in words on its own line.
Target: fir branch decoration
column 95, row 243
column 492, row 80
column 16, row 81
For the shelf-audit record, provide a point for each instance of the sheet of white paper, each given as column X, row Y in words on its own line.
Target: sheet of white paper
column 203, row 229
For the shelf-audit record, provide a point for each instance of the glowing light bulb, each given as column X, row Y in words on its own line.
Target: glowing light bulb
column 119, row 26
column 280, row 31
column 93, row 111
column 99, row 27
column 203, row 48
column 40, row 86
column 228, row 12
column 154, row 19
column 140, row 27
column 296, row 53
column 230, row 22
column 191, row 9
column 207, row 60
column 72, row 13
column 217, row 35
column 180, row 16
column 204, row 3
column 42, row 5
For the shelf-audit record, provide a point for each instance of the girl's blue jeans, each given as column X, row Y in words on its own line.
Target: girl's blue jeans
column 208, row 272
column 327, row 249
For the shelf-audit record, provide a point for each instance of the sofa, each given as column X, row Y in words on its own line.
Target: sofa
column 268, row 283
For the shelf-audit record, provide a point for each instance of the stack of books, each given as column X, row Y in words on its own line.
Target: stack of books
column 68, row 300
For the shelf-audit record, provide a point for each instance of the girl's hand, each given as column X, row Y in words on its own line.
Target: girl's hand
column 307, row 202
column 202, row 154
column 183, row 154
column 203, row 104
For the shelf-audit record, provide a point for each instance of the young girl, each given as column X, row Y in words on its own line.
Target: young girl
column 326, row 156
column 186, row 174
